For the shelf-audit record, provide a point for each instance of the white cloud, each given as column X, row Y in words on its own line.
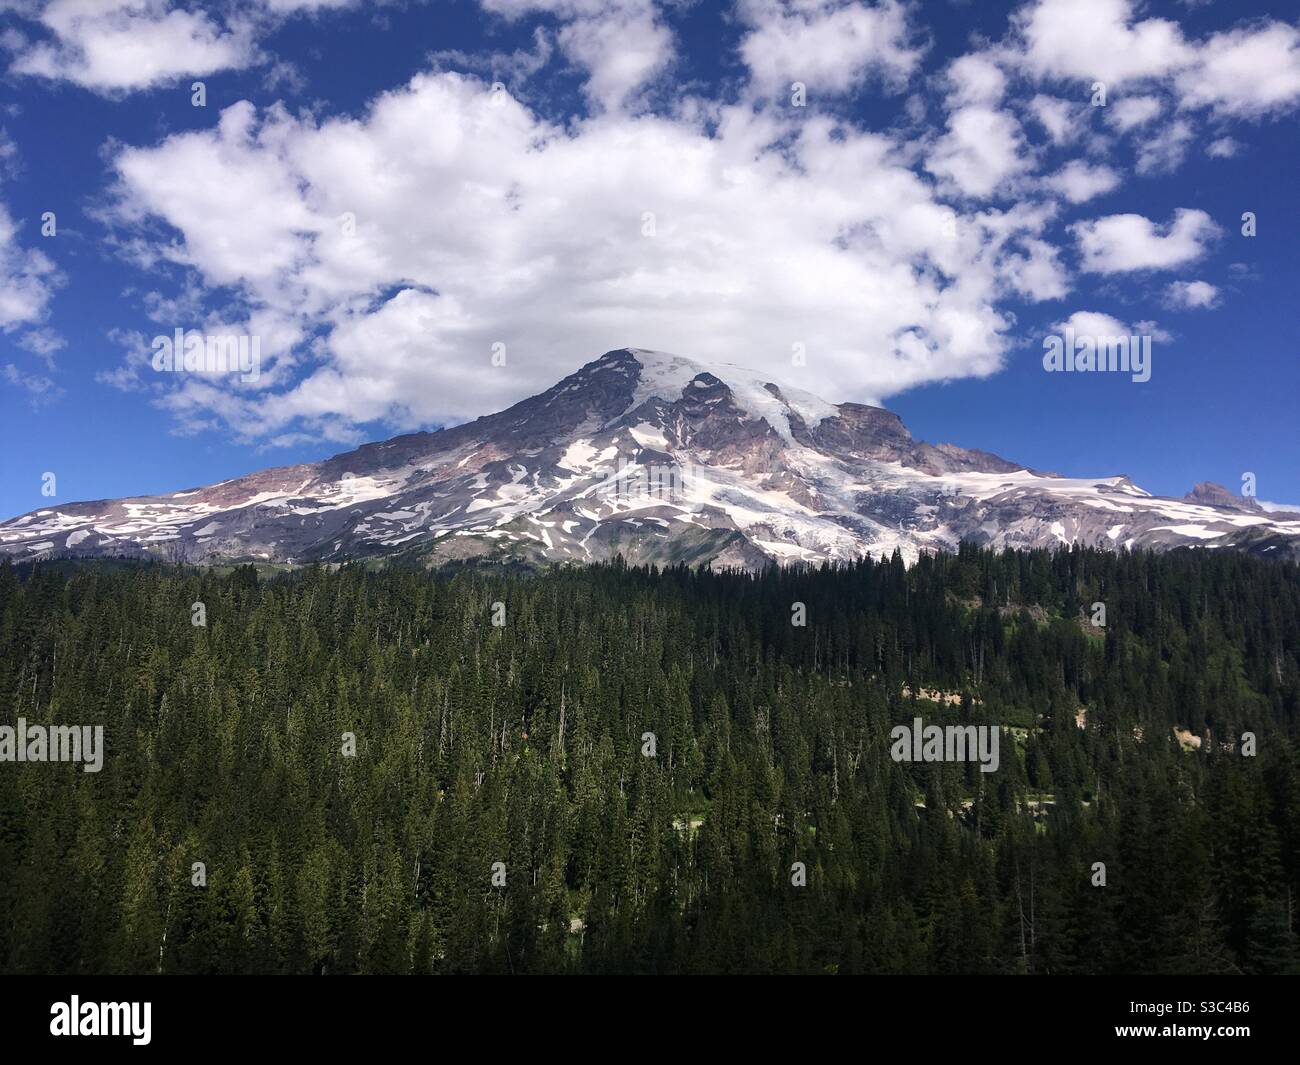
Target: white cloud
column 27, row 279
column 312, row 6
column 1079, row 181
column 114, row 47
column 976, row 79
column 1091, row 323
column 1245, row 72
column 982, row 149
column 477, row 222
column 1098, row 40
column 117, row 45
column 829, row 46
column 1151, row 329
column 1125, row 242
column 622, row 44
column 1222, row 148
column 1097, row 324
column 1062, row 119
column 41, row 391
column 1283, row 508
column 1037, row 274
column 1131, row 111
column 512, row 69
column 42, row 342
column 1188, row 295
column 1164, row 152
column 9, row 162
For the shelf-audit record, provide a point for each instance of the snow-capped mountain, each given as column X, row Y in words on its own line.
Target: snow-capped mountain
column 659, row 458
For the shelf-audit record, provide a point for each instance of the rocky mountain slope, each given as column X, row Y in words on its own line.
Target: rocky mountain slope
column 659, row 458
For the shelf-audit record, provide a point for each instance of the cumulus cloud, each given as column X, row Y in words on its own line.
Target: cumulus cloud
column 1123, row 243
column 982, row 149
column 117, row 45
column 114, row 47
column 1187, row 295
column 28, row 279
column 1245, row 72
column 832, row 47
column 1062, row 119
column 1249, row 71
column 1036, row 273
column 1068, row 49
column 1132, row 111
column 621, row 44
column 1098, row 40
column 409, row 240
column 1164, row 152
column 1079, row 181
column 1091, row 323
column 380, row 255
column 1097, row 324
column 976, row 79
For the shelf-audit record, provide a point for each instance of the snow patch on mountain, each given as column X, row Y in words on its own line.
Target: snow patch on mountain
column 667, row 376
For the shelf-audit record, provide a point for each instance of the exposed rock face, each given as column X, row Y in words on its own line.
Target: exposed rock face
column 661, row 459
column 1215, row 495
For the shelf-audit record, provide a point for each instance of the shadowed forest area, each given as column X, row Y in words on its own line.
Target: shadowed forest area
column 514, row 753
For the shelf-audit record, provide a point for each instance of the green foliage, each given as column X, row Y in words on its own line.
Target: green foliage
column 478, row 744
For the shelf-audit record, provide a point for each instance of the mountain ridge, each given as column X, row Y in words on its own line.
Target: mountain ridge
column 659, row 458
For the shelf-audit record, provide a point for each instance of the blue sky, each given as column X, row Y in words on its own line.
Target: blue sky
column 560, row 177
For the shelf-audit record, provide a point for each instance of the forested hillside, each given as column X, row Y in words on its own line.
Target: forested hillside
column 523, row 743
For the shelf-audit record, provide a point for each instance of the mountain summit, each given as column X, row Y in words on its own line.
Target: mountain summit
column 659, row 458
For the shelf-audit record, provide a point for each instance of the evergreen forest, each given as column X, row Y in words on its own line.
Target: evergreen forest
column 612, row 769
